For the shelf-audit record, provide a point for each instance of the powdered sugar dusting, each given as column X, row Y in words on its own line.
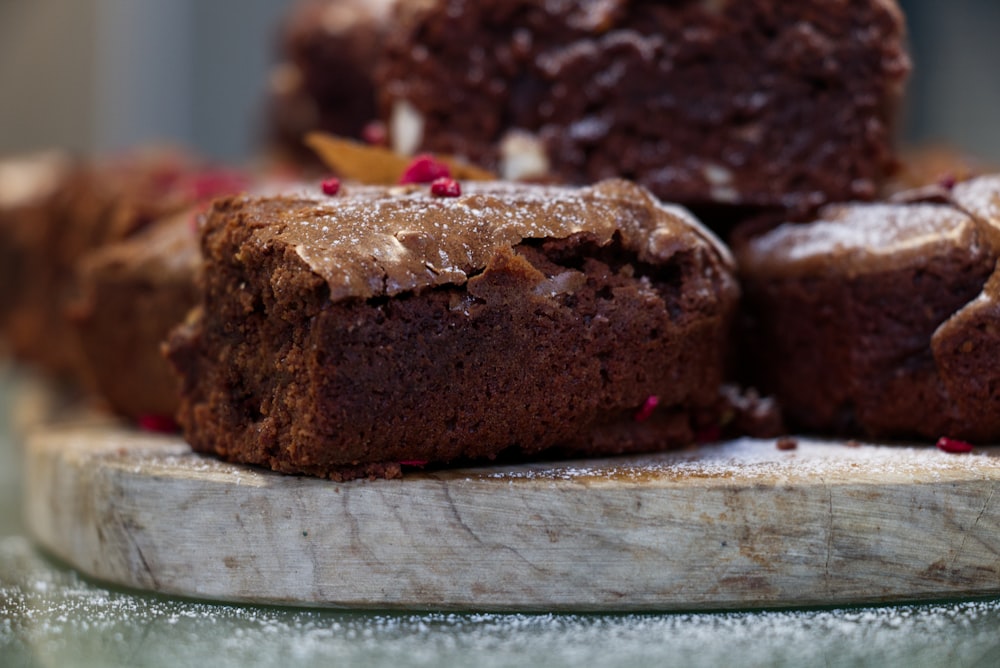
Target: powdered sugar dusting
column 863, row 237
column 980, row 197
column 750, row 461
column 744, row 461
column 356, row 240
column 51, row 616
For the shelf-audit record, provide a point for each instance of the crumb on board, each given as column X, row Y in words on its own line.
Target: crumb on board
column 786, row 443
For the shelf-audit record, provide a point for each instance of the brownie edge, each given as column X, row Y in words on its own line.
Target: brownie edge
column 341, row 337
column 881, row 320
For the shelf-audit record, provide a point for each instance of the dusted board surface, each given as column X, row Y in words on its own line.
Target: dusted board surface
column 57, row 618
column 737, row 525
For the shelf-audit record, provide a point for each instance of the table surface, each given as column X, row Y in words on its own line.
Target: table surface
column 51, row 616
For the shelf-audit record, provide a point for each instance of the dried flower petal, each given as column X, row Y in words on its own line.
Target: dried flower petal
column 446, row 187
column 163, row 424
column 646, row 411
column 216, row 183
column 375, row 133
column 364, row 163
column 331, row 186
column 953, row 445
column 948, row 181
column 424, row 169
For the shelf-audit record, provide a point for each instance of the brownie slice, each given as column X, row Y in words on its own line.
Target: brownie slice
column 745, row 106
column 32, row 194
column 343, row 336
column 881, row 320
column 132, row 294
column 101, row 201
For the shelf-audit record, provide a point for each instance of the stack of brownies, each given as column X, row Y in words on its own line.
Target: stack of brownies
column 582, row 302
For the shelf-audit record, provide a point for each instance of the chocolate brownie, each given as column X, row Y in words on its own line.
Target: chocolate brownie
column 745, row 106
column 325, row 81
column 31, row 189
column 103, row 201
column 132, row 294
column 882, row 320
column 343, row 336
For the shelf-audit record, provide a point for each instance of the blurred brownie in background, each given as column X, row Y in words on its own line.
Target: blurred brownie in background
column 131, row 294
column 325, row 78
column 97, row 202
column 723, row 106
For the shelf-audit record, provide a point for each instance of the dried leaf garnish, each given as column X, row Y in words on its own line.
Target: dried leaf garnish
column 377, row 165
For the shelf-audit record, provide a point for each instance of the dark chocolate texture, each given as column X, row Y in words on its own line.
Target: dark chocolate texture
column 342, row 336
column 882, row 320
column 751, row 106
column 325, row 81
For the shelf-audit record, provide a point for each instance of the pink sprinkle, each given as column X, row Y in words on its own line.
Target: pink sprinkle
column 953, row 445
column 446, row 187
column 163, row 424
column 947, row 181
column 216, row 183
column 414, row 462
column 646, row 412
column 424, row 169
column 331, row 186
column 166, row 178
column 374, row 133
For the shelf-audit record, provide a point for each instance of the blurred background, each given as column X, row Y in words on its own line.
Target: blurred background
column 99, row 75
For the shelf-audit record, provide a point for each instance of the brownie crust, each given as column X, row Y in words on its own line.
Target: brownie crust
column 340, row 338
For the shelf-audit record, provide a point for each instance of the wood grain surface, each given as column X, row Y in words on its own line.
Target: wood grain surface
column 736, row 525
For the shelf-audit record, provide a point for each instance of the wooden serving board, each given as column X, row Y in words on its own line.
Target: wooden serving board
column 737, row 525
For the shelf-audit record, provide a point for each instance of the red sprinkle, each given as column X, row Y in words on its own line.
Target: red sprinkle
column 953, row 445
column 166, row 178
column 646, row 412
column 331, row 186
column 424, row 169
column 947, row 181
column 446, row 187
column 375, row 133
column 216, row 183
column 163, row 424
